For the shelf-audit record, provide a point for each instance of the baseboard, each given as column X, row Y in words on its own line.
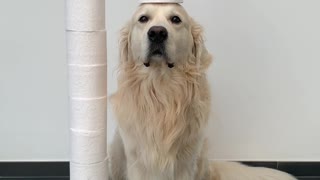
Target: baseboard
column 60, row 170
column 302, row 170
column 34, row 170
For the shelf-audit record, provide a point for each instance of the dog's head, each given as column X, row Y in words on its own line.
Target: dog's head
column 163, row 34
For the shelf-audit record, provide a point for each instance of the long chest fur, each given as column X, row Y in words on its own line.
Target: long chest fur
column 164, row 116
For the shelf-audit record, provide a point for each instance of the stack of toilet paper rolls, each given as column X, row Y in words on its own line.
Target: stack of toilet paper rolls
column 86, row 51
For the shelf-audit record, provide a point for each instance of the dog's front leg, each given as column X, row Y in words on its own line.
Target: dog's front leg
column 185, row 175
column 185, row 171
column 136, row 171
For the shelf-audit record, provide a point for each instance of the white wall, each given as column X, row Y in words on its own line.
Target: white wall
column 266, row 78
column 265, row 81
column 33, row 81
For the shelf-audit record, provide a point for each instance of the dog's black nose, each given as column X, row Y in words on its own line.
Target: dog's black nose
column 157, row 34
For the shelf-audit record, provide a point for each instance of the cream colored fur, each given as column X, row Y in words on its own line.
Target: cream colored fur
column 162, row 112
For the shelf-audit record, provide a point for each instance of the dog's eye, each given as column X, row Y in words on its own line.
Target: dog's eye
column 143, row 19
column 175, row 20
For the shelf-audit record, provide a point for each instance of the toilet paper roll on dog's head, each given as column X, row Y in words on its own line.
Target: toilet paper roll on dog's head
column 160, row 1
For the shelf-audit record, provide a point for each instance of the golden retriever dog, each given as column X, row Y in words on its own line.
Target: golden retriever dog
column 162, row 103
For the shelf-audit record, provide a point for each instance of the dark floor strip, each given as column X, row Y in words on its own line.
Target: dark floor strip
column 60, row 170
column 35, row 178
column 308, row 178
column 272, row 165
column 301, row 168
column 34, row 169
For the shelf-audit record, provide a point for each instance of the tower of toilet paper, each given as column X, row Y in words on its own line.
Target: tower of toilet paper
column 86, row 54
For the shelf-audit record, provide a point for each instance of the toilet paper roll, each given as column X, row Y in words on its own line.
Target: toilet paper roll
column 97, row 171
column 161, row 1
column 88, row 147
column 86, row 47
column 85, row 15
column 88, row 114
column 88, row 81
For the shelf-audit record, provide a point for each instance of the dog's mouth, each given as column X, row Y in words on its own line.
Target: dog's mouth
column 157, row 50
column 157, row 53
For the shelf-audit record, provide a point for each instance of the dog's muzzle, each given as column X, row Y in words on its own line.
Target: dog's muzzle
column 157, row 36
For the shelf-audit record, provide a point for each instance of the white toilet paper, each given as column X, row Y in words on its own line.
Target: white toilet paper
column 88, row 114
column 161, row 1
column 88, row 147
column 97, row 171
column 87, row 81
column 86, row 51
column 86, row 47
column 85, row 15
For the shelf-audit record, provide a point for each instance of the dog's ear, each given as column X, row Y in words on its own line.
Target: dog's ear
column 124, row 44
column 202, row 57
